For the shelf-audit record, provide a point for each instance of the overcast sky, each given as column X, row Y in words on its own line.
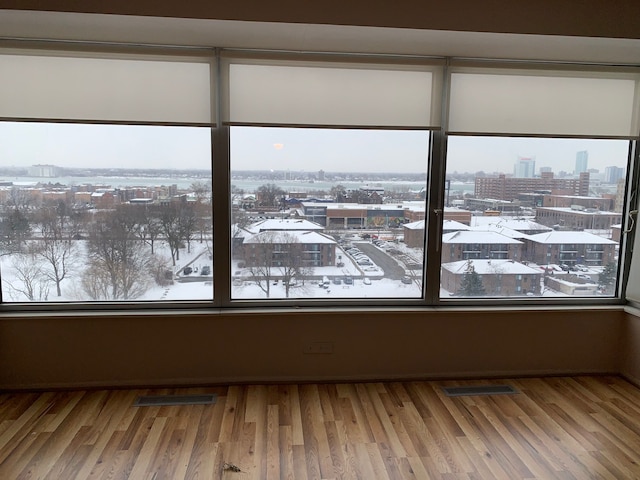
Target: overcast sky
column 305, row 149
column 104, row 146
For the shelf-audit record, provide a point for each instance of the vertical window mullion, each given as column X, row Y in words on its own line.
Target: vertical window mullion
column 629, row 225
column 221, row 182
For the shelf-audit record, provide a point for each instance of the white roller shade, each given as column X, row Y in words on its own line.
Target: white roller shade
column 330, row 96
column 102, row 89
column 542, row 104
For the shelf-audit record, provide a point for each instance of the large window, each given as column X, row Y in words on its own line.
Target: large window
column 542, row 217
column 353, row 180
column 105, row 181
column 324, row 213
column 104, row 213
column 320, row 211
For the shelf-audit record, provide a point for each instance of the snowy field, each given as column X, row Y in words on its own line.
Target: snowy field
column 368, row 281
column 200, row 287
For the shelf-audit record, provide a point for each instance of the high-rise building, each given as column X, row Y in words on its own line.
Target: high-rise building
column 47, row 171
column 613, row 174
column 582, row 158
column 525, row 167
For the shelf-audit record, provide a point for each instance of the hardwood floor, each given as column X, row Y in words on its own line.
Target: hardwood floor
column 565, row 428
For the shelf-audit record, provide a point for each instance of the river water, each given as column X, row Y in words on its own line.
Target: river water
column 246, row 185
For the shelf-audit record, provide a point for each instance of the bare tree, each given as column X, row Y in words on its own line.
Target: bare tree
column 270, row 255
column 291, row 260
column 20, row 199
column 258, row 253
column 161, row 271
column 169, row 219
column 115, row 253
column 55, row 245
column 338, row 193
column 29, row 280
column 203, row 219
column 202, row 191
column 178, row 224
column 15, row 228
column 96, row 282
column 270, row 195
column 147, row 224
column 239, row 222
column 188, row 222
column 202, row 207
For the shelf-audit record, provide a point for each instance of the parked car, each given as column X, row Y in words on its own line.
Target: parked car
column 348, row 280
column 206, row 270
column 187, row 270
column 406, row 279
column 366, row 281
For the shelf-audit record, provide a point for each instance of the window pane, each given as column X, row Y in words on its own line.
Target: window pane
column 325, row 214
column 541, row 219
column 105, row 213
column 107, row 89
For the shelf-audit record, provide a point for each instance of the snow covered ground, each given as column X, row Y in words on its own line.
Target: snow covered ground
column 383, row 288
column 368, row 281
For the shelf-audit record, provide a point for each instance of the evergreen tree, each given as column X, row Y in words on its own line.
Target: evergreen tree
column 607, row 278
column 471, row 285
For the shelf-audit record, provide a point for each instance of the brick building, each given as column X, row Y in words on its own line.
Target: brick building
column 499, row 278
column 570, row 248
column 508, row 188
column 464, row 245
column 280, row 248
column 577, row 218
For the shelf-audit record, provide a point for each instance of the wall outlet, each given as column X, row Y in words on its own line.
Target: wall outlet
column 318, row 348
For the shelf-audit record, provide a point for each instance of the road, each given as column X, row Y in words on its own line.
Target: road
column 387, row 263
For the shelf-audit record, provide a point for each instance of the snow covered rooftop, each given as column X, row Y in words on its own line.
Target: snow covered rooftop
column 365, row 206
column 448, row 225
column 279, row 224
column 491, row 267
column 557, row 238
column 519, row 224
column 477, row 237
column 586, row 211
column 419, row 225
column 507, row 232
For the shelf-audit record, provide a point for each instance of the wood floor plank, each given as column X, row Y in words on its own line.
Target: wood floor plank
column 285, row 453
column 297, row 433
column 566, row 428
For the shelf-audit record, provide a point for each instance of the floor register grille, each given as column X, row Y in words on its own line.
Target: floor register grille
column 479, row 390
column 168, row 400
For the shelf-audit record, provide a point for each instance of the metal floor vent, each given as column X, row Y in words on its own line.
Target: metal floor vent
column 163, row 400
column 479, row 390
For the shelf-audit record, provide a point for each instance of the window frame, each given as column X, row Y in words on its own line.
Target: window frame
column 434, row 203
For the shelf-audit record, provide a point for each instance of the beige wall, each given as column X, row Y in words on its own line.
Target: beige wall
column 70, row 351
column 630, row 362
column 118, row 349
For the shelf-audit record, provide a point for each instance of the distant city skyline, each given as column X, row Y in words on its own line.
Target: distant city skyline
column 303, row 149
column 582, row 162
